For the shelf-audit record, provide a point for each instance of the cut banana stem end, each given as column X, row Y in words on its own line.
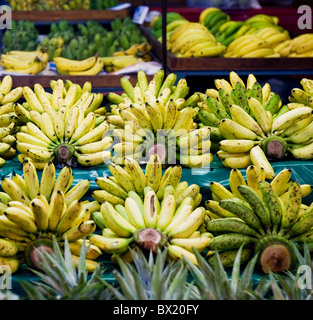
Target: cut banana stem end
column 150, row 239
column 275, row 147
column 64, row 152
column 275, row 258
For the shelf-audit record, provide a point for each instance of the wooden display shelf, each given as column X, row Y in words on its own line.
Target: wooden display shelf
column 222, row 64
column 73, row 15
column 103, row 83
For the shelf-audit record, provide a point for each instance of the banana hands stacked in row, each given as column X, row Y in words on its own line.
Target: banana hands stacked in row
column 154, row 117
column 249, row 46
column 298, row 47
column 193, row 39
column 151, row 223
column 262, row 224
column 8, row 119
column 25, row 62
column 63, row 129
column 132, row 178
column 87, row 67
column 35, row 209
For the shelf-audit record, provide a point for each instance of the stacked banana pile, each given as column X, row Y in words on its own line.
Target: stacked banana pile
column 36, row 210
column 8, row 119
column 132, row 178
column 151, row 223
column 254, row 124
column 63, row 127
column 153, row 117
column 299, row 47
column 87, row 67
column 25, row 62
column 250, row 46
column 193, row 39
column 259, row 221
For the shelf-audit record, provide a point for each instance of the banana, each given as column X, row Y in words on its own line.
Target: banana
column 301, row 136
column 151, row 209
column 227, row 225
column 111, row 187
column 199, row 243
column 115, row 221
column 257, row 204
column 235, row 180
column 241, row 210
column 176, row 252
column 292, row 206
column 40, row 212
column 236, row 146
column 153, row 172
column 93, row 159
column 31, row 179
column 69, row 216
column 189, row 225
column 234, row 130
column 67, row 65
column 134, row 213
column 214, row 207
column 111, row 245
column 303, row 224
column 14, row 191
column 103, row 195
column 304, row 152
column 95, row 69
column 122, row 176
column 77, row 192
column 21, row 218
column 220, row 191
column 8, row 248
column 231, row 241
column 290, row 117
column 167, row 210
column 259, row 159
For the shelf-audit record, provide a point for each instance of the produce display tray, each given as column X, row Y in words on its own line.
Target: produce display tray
column 301, row 171
column 73, row 15
column 210, row 65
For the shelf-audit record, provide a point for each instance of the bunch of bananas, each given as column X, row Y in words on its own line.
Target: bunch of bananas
column 300, row 46
column 103, row 4
column 213, row 18
column 8, row 120
column 65, row 129
column 192, row 39
column 171, row 17
column 151, row 223
column 229, row 31
column 262, row 224
column 249, row 46
column 131, row 178
column 254, row 123
column 36, row 210
column 153, row 117
column 280, row 184
column 25, row 62
column 47, row 5
column 53, row 46
column 90, row 66
column 300, row 139
column 22, row 36
column 119, row 61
